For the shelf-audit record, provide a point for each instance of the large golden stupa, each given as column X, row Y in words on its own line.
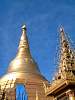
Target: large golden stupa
column 23, row 64
column 24, row 70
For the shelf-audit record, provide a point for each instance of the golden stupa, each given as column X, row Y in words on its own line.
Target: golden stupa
column 24, row 70
column 23, row 63
column 63, row 85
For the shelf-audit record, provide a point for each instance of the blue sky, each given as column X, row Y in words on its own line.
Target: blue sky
column 43, row 18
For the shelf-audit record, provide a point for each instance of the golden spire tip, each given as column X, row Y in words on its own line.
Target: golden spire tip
column 61, row 29
column 24, row 27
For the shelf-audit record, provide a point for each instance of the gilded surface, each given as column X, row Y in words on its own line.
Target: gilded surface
column 66, row 72
column 24, row 70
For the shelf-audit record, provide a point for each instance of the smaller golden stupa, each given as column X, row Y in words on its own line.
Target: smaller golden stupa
column 63, row 85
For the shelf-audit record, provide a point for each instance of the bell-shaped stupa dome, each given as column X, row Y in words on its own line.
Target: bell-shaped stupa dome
column 23, row 65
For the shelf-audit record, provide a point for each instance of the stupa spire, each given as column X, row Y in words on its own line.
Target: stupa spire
column 66, row 53
column 66, row 56
column 23, row 40
column 23, row 49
